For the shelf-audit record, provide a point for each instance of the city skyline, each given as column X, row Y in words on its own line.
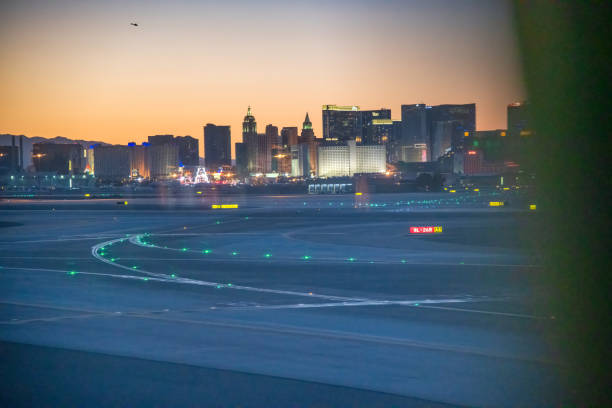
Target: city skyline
column 180, row 69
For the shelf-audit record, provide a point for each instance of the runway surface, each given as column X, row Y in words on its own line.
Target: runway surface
column 285, row 291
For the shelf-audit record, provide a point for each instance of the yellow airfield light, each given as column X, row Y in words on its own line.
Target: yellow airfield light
column 223, row 206
column 496, row 203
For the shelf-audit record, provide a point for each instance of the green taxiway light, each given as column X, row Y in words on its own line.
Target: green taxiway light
column 351, row 259
column 246, row 218
column 173, row 276
column 229, row 284
column 184, row 249
column 145, row 279
column 72, row 273
column 267, row 255
column 206, row 251
column 234, row 253
column 416, row 304
column 306, row 257
column 218, row 222
column 134, row 267
column 403, row 261
column 112, row 259
column 218, row 286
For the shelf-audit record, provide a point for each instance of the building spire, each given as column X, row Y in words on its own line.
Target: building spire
column 307, row 123
column 249, row 111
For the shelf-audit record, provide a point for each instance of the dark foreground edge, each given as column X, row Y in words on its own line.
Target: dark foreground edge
column 35, row 376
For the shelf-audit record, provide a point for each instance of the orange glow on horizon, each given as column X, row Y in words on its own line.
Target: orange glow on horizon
column 86, row 73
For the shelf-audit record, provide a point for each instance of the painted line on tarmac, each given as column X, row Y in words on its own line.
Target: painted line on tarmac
column 344, row 301
column 169, row 278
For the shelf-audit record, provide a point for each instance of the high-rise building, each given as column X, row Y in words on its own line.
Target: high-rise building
column 9, row 159
column 308, row 138
column 347, row 159
column 438, row 128
column 58, row 158
column 414, row 124
column 518, row 120
column 250, row 139
column 139, row 161
column 188, row 150
column 163, row 160
column 300, row 160
column 217, row 146
column 341, row 123
column 307, row 134
column 270, row 141
column 447, row 126
column 112, row 162
column 289, row 136
column 372, row 119
column 493, row 144
column 242, row 160
column 160, row 139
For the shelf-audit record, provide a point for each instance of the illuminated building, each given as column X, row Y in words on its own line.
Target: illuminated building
column 341, row 123
column 416, row 153
column 347, row 159
column 281, row 160
column 112, row 162
column 90, row 162
column 472, row 162
column 188, row 150
column 217, row 146
column 289, row 136
column 58, row 158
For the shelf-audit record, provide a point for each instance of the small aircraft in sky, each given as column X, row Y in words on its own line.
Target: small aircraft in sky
column 134, row 24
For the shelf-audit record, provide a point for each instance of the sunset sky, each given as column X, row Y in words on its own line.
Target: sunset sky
column 79, row 69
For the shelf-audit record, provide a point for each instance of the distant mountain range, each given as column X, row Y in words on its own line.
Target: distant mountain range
column 6, row 140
